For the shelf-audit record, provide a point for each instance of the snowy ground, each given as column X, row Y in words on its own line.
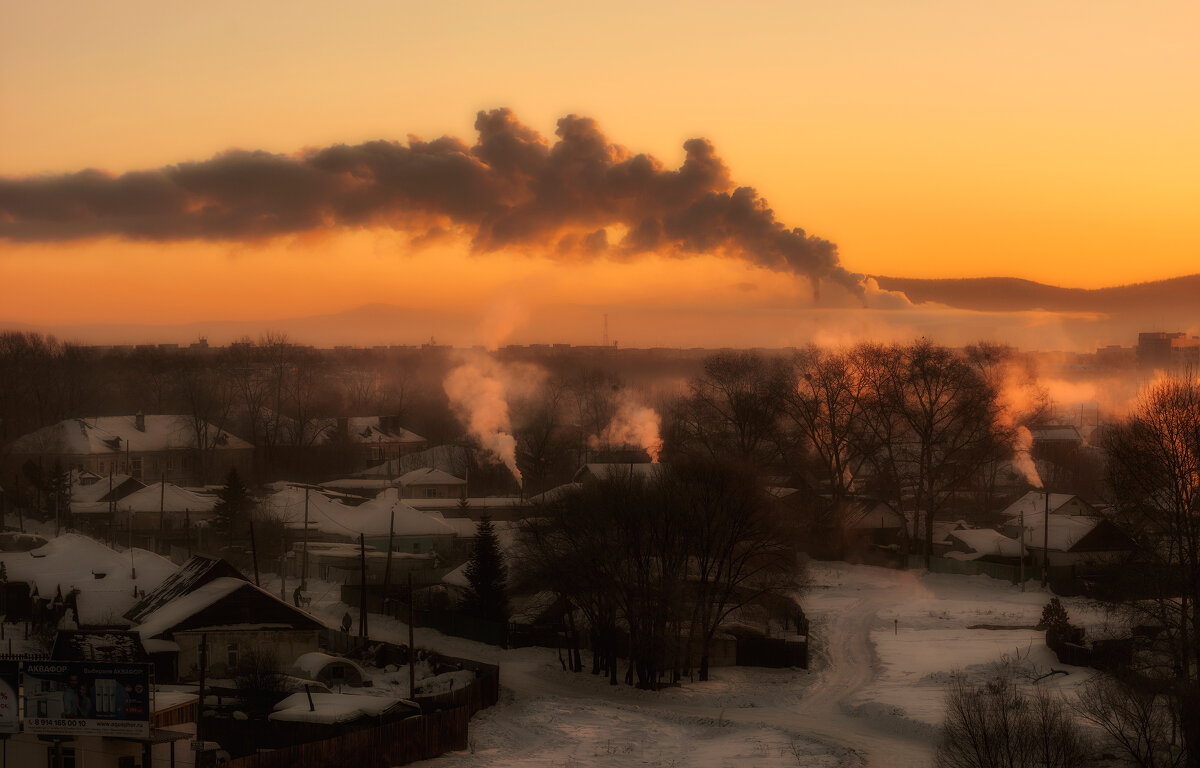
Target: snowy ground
column 885, row 643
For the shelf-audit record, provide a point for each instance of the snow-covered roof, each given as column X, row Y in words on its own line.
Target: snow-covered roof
column 99, row 489
column 555, row 493
column 102, row 575
column 360, row 484
column 616, row 470
column 251, row 608
column 430, row 476
column 117, row 434
column 180, row 609
column 170, row 498
column 334, row 708
column 200, row 569
column 360, row 429
column 986, row 541
column 375, row 517
column 312, row 663
column 288, row 504
column 1034, row 503
column 458, row 577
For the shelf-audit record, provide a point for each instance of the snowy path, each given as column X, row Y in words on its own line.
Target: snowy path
column 850, row 666
column 825, row 711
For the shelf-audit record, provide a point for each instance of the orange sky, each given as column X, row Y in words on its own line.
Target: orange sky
column 1052, row 141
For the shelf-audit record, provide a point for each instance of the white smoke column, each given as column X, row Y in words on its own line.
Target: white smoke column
column 1023, row 458
column 477, row 393
column 633, row 424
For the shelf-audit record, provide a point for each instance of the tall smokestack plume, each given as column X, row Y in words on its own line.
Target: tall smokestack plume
column 511, row 187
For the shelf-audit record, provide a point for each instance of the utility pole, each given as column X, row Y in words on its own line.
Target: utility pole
column 1046, row 544
column 162, row 501
column 387, row 568
column 200, row 704
column 362, row 599
column 304, row 560
column 1022, row 527
column 254, row 552
column 412, row 649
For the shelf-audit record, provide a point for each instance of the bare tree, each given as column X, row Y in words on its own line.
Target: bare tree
column 823, row 401
column 935, row 422
column 1154, row 476
column 997, row 725
column 1138, row 721
column 731, row 411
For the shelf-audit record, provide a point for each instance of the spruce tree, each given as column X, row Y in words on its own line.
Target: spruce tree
column 487, row 597
column 233, row 504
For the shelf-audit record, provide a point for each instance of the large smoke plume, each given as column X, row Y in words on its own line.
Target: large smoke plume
column 480, row 389
column 633, row 424
column 580, row 197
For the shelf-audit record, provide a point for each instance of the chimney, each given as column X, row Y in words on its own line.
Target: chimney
column 139, row 421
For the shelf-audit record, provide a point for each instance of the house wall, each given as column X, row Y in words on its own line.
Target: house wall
column 1064, row 559
column 433, row 491
column 417, row 545
column 181, row 467
column 1074, row 507
column 27, row 750
column 286, row 645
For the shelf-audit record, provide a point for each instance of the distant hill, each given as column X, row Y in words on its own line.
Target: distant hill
column 1010, row 294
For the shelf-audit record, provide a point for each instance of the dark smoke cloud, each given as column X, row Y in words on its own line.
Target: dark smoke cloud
column 512, row 188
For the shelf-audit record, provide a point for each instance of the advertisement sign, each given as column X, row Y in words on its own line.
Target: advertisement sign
column 81, row 698
column 9, row 685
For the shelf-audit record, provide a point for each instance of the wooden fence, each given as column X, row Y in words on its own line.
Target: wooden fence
column 400, row 743
column 442, row 727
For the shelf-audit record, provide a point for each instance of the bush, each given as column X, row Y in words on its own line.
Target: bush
column 1054, row 615
column 996, row 724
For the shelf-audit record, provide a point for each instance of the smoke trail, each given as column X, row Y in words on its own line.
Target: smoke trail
column 477, row 394
column 633, row 424
column 1023, row 459
column 510, row 188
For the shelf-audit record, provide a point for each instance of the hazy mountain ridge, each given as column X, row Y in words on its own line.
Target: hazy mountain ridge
column 1011, row 294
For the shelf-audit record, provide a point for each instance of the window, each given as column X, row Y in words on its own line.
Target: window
column 100, row 467
column 375, row 453
column 431, row 493
column 136, row 467
column 416, row 547
column 170, row 463
column 68, row 757
column 232, row 656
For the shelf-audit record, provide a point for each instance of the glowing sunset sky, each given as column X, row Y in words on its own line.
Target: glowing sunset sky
column 1050, row 141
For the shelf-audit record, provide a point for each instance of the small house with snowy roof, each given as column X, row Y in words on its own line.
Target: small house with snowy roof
column 236, row 619
column 148, row 447
column 432, row 483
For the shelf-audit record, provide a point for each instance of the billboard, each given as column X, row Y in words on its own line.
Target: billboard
column 80, row 698
column 9, row 685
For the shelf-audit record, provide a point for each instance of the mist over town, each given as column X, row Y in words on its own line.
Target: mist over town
column 797, row 384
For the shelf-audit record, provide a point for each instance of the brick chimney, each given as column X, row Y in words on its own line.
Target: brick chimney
column 139, row 421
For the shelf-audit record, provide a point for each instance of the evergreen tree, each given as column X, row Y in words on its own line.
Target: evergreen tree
column 234, row 504
column 487, row 575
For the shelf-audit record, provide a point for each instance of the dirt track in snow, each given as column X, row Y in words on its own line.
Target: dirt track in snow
column 823, row 709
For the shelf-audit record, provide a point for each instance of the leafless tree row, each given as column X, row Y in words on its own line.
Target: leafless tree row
column 657, row 563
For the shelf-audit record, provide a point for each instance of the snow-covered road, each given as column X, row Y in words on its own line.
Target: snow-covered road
column 822, row 708
column 874, row 695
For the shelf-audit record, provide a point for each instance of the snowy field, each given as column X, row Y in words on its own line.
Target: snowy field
column 885, row 643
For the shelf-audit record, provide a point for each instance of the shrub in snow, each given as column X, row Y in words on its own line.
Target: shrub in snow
column 1054, row 615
